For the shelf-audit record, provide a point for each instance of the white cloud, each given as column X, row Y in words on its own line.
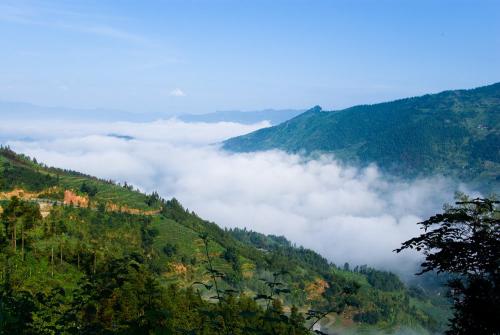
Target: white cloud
column 68, row 20
column 177, row 93
column 346, row 214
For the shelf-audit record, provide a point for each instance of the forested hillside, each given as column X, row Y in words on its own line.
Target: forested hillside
column 80, row 255
column 453, row 133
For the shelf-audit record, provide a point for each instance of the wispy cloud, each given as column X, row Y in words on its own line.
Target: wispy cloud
column 110, row 32
column 17, row 14
column 177, row 93
column 67, row 20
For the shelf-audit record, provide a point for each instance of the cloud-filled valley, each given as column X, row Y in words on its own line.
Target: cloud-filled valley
column 345, row 213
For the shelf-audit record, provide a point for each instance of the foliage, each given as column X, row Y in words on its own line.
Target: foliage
column 25, row 178
column 453, row 133
column 89, row 189
column 382, row 280
column 282, row 249
column 169, row 249
column 95, row 270
column 465, row 241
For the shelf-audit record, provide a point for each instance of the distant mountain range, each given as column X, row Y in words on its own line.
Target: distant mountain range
column 27, row 111
column 452, row 133
column 271, row 115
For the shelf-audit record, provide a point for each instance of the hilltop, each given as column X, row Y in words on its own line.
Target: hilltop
column 452, row 133
column 78, row 251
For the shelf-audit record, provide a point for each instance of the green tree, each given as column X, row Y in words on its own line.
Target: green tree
column 16, row 309
column 465, row 241
column 18, row 217
column 90, row 189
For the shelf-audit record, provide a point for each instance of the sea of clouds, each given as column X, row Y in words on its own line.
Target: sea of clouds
column 345, row 213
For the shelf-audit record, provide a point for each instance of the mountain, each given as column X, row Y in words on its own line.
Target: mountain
column 27, row 111
column 88, row 256
column 452, row 133
column 271, row 115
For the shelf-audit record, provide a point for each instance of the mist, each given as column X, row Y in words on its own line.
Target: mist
column 348, row 214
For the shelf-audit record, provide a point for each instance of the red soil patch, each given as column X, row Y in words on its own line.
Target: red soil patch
column 316, row 289
column 20, row 193
column 70, row 198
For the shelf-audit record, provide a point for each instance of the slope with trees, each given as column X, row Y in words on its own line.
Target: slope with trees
column 464, row 242
column 163, row 270
column 453, row 133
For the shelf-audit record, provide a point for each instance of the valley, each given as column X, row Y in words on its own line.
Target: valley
column 84, row 233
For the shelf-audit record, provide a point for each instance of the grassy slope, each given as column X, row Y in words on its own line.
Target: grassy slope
column 454, row 133
column 182, row 230
column 70, row 180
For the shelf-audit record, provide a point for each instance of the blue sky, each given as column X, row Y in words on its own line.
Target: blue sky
column 202, row 56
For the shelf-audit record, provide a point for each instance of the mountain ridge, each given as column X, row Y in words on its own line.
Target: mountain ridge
column 454, row 133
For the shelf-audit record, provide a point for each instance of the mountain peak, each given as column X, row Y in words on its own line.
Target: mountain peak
column 452, row 133
column 316, row 108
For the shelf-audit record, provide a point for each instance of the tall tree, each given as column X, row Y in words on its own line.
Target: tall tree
column 464, row 241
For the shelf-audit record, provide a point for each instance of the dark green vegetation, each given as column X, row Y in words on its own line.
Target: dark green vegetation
column 464, row 242
column 453, row 133
column 98, row 269
column 20, row 172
